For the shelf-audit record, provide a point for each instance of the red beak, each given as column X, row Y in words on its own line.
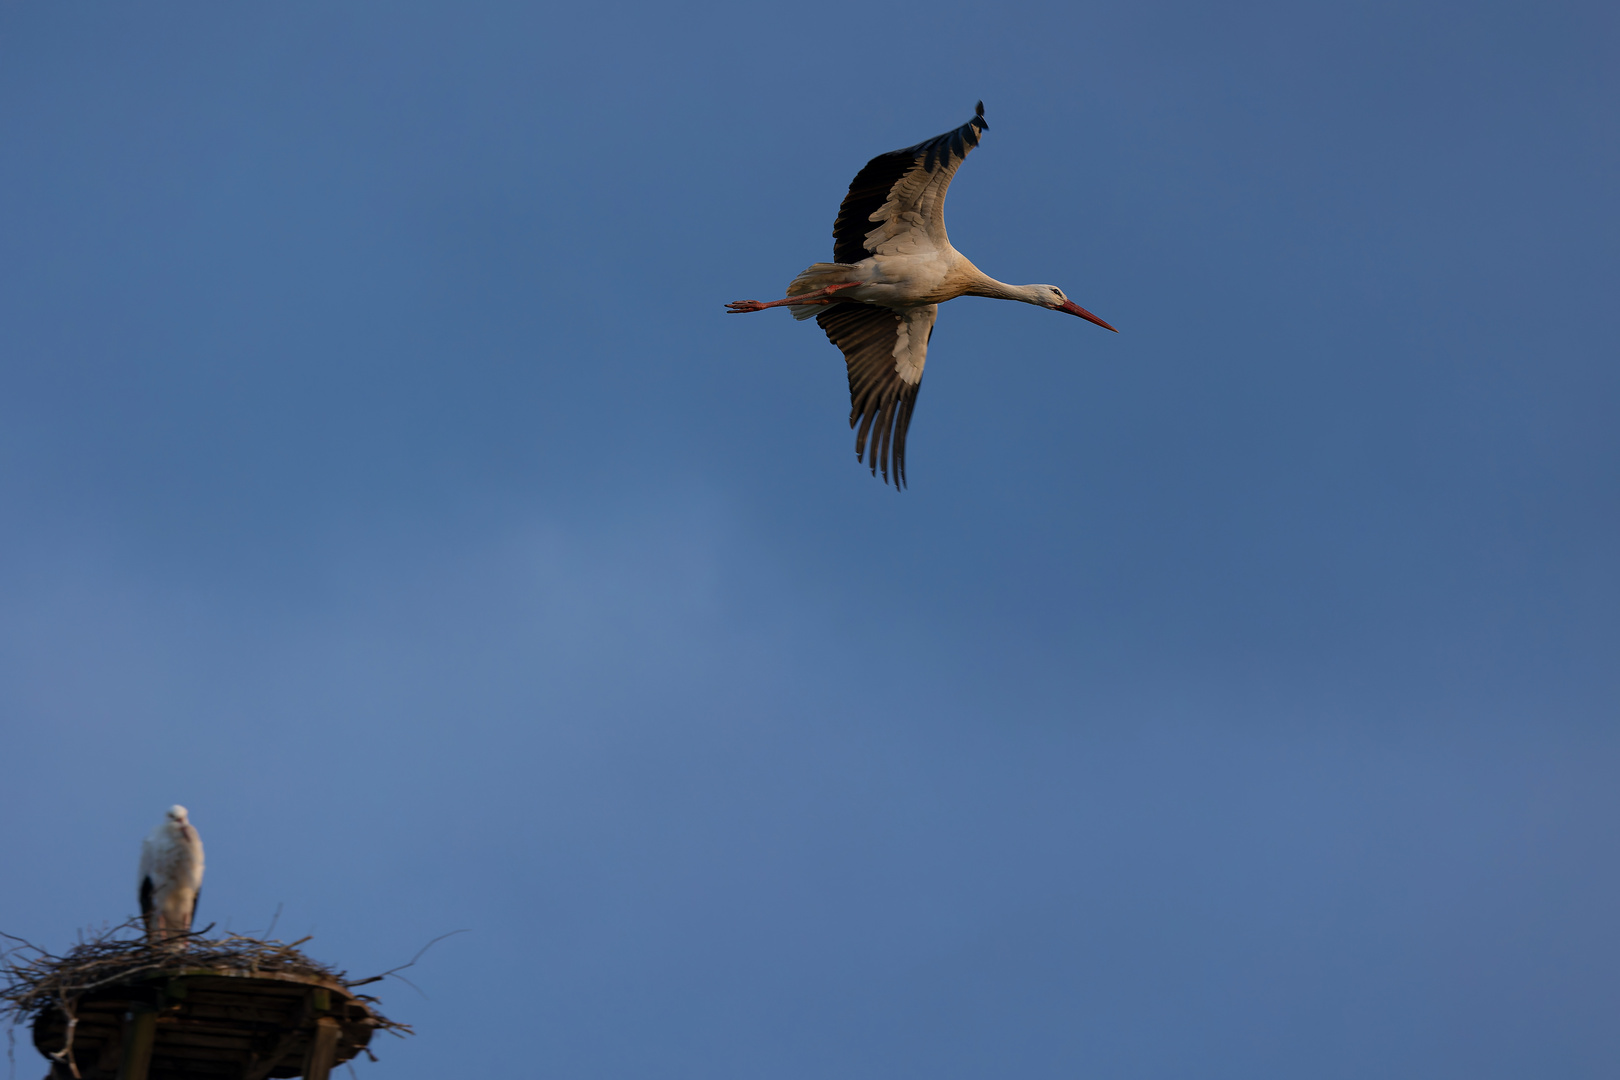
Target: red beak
column 1075, row 309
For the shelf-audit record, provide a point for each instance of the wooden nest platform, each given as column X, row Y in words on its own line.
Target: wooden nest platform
column 190, row 1009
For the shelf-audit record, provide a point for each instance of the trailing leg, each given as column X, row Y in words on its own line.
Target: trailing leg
column 738, row 307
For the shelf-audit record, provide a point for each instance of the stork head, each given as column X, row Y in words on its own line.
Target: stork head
column 177, row 814
column 1050, row 296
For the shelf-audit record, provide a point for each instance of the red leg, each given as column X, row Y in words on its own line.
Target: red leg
column 737, row 307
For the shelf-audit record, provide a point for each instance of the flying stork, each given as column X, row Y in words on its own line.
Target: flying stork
column 171, row 876
column 892, row 267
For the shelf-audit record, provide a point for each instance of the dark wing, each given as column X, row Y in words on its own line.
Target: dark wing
column 146, row 898
column 897, row 203
column 884, row 350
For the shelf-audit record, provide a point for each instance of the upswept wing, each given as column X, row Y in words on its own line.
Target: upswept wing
column 884, row 350
column 896, row 204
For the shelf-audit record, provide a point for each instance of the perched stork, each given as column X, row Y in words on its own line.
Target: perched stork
column 171, row 876
column 892, row 267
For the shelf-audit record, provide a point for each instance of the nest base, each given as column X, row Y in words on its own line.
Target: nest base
column 208, row 1024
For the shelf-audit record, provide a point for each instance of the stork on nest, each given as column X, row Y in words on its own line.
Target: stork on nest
column 171, row 877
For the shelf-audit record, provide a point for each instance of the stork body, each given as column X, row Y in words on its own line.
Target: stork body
column 893, row 265
column 171, row 876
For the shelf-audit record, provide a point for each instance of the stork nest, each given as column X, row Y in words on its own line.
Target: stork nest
column 33, row 980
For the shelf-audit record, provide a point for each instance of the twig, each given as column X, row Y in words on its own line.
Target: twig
column 411, row 962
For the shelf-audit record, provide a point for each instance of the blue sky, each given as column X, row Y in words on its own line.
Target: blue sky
column 1231, row 697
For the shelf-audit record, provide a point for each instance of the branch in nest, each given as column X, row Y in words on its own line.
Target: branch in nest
column 402, row 967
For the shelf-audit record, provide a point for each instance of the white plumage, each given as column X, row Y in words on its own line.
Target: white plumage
column 171, row 876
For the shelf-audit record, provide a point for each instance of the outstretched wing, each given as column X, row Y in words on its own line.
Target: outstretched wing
column 896, row 205
column 885, row 350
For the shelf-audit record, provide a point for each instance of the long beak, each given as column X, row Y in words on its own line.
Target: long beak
column 1075, row 309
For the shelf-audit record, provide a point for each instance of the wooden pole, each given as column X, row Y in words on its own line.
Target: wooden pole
column 140, row 1030
column 259, row 1066
column 322, row 1049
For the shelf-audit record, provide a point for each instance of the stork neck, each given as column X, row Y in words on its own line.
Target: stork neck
column 985, row 285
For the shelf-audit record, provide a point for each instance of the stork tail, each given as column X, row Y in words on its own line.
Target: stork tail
column 818, row 276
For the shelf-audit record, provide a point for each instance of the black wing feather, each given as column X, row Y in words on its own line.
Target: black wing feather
column 871, row 186
column 879, row 400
